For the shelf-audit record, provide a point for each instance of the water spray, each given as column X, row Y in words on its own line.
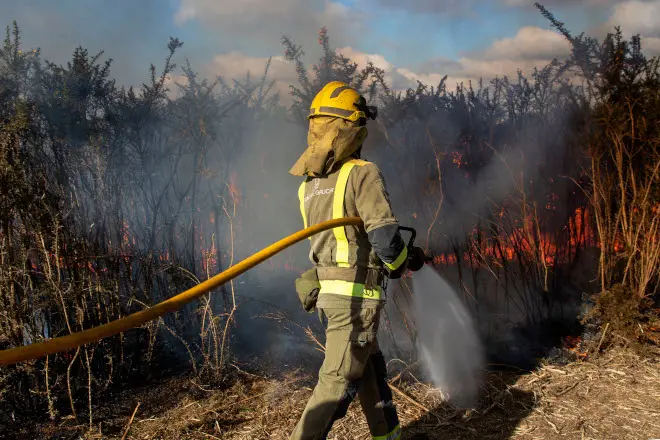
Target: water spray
column 447, row 339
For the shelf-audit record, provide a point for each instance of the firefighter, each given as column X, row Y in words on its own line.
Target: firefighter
column 351, row 264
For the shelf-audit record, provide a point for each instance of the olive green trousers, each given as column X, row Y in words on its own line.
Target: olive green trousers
column 353, row 366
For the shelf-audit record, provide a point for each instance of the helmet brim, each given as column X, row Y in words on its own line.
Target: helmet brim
column 336, row 112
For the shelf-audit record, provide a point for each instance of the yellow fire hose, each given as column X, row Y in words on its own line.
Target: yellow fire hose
column 64, row 343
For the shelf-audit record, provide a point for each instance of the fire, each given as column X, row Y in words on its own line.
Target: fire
column 574, row 344
column 209, row 258
column 444, row 259
column 581, row 232
column 551, row 203
column 234, row 192
column 126, row 239
column 525, row 240
column 456, row 158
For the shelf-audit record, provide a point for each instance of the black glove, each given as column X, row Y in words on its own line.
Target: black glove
column 416, row 258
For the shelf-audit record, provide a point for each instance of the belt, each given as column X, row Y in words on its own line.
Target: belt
column 350, row 289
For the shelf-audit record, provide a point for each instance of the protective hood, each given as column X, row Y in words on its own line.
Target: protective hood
column 330, row 141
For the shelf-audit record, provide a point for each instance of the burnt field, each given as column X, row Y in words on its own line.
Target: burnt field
column 538, row 197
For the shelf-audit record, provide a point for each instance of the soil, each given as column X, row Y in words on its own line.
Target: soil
column 615, row 395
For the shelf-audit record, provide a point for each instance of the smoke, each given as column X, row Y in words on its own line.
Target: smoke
column 270, row 319
column 268, row 211
column 481, row 180
column 180, row 201
column 448, row 342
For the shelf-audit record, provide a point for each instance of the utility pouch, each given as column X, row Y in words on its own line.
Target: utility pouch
column 308, row 288
column 374, row 279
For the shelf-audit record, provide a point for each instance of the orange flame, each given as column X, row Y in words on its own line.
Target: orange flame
column 525, row 241
column 126, row 238
column 456, row 158
column 574, row 344
column 234, row 192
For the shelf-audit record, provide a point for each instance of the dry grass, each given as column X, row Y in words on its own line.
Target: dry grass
column 613, row 396
column 616, row 396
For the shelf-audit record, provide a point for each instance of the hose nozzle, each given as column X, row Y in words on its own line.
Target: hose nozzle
column 416, row 256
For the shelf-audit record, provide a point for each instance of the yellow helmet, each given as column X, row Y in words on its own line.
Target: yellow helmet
column 339, row 100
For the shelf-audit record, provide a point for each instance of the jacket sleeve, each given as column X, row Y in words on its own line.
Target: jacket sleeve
column 373, row 205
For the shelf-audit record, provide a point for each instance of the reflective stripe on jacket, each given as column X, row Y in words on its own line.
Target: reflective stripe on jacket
column 349, row 259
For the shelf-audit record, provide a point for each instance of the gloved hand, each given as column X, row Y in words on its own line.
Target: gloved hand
column 416, row 258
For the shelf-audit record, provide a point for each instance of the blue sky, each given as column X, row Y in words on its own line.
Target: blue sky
column 230, row 37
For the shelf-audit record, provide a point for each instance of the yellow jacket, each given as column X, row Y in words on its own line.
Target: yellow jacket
column 349, row 260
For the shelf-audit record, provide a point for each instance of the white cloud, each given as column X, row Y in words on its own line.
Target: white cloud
column 171, row 81
column 361, row 58
column 264, row 21
column 235, row 65
column 432, row 72
column 478, row 68
column 430, row 6
column 468, row 7
column 341, row 18
column 243, row 11
column 651, row 46
column 549, row 3
column 403, row 78
column 530, row 43
column 518, row 2
column 530, row 47
column 637, row 17
column 241, row 24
